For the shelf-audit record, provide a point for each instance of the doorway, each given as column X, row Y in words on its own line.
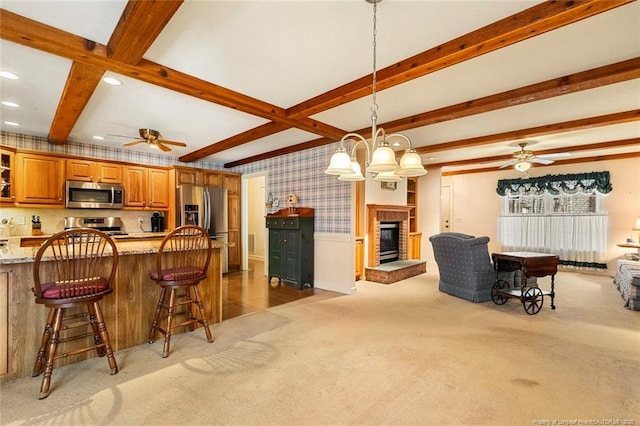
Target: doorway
column 254, row 244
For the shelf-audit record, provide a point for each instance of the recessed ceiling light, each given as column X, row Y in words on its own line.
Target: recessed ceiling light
column 8, row 75
column 112, row 81
column 10, row 104
column 11, row 123
column 100, row 138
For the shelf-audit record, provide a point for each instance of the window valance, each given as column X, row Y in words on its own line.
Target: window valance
column 556, row 184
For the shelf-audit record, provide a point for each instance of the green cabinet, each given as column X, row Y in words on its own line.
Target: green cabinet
column 291, row 246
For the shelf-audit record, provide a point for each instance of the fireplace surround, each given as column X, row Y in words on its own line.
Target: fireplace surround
column 380, row 213
column 377, row 270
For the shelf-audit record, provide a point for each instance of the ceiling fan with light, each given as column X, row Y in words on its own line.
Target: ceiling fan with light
column 523, row 159
column 151, row 138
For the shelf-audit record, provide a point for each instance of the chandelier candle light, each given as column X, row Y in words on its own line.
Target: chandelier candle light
column 382, row 161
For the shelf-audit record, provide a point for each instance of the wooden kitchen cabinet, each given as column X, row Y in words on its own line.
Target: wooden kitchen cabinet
column 146, row 187
column 8, row 170
column 232, row 183
column 233, row 224
column 212, row 179
column 93, row 171
column 191, row 176
column 4, row 322
column 40, row 179
column 188, row 176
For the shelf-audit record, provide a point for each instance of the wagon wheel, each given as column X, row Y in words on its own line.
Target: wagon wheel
column 496, row 296
column 533, row 300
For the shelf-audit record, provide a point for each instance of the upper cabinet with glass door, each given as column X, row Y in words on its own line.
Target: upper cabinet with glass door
column 7, row 188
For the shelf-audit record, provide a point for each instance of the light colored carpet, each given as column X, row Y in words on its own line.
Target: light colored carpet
column 396, row 354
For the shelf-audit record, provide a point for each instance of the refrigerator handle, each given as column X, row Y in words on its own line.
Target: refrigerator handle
column 206, row 224
column 181, row 220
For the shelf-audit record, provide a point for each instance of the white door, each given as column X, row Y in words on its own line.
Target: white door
column 445, row 209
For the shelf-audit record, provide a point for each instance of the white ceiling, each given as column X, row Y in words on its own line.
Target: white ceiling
column 285, row 52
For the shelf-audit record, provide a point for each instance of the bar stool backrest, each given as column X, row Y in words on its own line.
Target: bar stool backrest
column 184, row 252
column 81, row 262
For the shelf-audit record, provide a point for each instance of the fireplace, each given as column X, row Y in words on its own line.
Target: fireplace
column 389, row 241
column 393, row 221
column 388, row 234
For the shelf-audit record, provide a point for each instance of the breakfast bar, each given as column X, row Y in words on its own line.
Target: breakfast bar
column 128, row 311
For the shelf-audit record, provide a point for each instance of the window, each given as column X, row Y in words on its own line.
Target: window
column 550, row 204
column 563, row 214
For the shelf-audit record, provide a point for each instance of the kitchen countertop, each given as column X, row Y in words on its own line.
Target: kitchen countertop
column 146, row 243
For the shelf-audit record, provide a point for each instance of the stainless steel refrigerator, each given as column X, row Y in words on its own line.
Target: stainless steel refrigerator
column 206, row 207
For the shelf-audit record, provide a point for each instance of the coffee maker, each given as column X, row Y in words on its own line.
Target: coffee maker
column 157, row 222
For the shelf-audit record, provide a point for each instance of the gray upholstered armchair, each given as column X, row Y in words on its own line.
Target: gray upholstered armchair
column 464, row 264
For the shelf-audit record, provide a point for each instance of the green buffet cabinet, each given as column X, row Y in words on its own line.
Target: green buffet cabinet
column 291, row 246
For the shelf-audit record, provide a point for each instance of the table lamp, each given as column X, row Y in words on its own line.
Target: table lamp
column 636, row 227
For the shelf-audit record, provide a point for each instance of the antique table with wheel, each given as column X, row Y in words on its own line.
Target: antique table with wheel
column 532, row 265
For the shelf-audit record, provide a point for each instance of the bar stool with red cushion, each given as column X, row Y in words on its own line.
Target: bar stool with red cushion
column 182, row 262
column 72, row 272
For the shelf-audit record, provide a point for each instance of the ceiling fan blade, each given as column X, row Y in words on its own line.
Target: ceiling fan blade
column 538, row 160
column 558, row 155
column 508, row 163
column 182, row 144
column 133, row 143
column 162, row 147
column 122, row 136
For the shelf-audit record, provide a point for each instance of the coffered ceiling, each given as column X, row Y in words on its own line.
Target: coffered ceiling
column 238, row 81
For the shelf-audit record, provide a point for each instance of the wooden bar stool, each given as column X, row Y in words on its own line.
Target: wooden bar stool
column 74, row 268
column 182, row 263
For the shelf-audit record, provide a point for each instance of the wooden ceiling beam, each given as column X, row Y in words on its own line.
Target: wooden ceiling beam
column 567, row 126
column 594, row 146
column 622, row 156
column 266, row 129
column 42, row 37
column 139, row 25
column 81, row 83
column 573, row 83
column 597, row 77
column 544, row 17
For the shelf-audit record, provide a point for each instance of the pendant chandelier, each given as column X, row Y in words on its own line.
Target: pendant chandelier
column 381, row 159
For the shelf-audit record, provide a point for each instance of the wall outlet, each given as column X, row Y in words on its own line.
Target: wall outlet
column 140, row 220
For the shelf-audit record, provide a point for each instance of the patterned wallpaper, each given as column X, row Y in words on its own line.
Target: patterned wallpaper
column 301, row 173
column 36, row 143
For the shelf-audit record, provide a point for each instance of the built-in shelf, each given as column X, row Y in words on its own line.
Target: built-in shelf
column 412, row 203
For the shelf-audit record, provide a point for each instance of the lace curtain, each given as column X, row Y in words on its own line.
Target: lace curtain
column 580, row 240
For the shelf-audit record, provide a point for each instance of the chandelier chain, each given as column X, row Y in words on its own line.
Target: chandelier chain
column 381, row 158
column 374, row 106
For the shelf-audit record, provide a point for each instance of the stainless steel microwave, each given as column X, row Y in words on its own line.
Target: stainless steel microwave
column 89, row 195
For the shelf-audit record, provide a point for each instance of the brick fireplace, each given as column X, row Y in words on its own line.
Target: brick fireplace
column 388, row 273
column 377, row 213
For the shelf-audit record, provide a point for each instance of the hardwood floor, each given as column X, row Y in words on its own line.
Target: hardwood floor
column 248, row 291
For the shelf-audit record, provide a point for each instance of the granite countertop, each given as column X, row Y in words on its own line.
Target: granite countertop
column 11, row 252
